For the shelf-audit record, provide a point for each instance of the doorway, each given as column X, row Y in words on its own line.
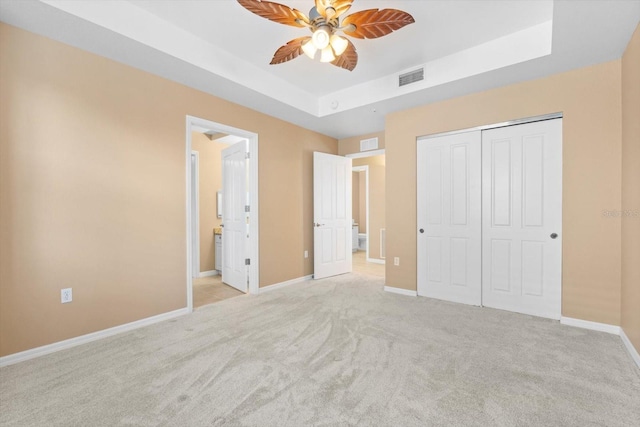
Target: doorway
column 250, row 209
column 490, row 216
column 368, row 208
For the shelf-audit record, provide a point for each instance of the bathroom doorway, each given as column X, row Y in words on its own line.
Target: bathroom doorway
column 368, row 200
column 207, row 143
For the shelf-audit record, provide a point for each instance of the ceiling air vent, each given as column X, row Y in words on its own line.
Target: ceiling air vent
column 369, row 144
column 411, row 77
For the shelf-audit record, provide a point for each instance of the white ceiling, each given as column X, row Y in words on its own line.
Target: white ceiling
column 221, row 48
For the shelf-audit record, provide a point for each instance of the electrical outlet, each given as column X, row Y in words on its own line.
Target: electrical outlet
column 306, row 254
column 396, row 261
column 66, row 295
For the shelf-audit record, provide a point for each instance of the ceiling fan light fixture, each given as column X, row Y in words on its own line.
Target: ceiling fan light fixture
column 327, row 55
column 339, row 44
column 326, row 18
column 321, row 37
column 310, row 49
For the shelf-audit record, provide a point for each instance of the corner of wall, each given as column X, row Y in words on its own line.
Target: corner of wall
column 630, row 210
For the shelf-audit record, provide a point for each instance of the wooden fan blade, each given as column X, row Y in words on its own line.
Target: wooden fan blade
column 276, row 12
column 289, row 51
column 340, row 6
column 349, row 58
column 374, row 23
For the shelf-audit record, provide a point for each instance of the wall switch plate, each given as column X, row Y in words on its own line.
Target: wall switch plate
column 396, row 261
column 306, row 254
column 66, row 295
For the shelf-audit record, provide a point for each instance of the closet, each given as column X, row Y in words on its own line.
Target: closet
column 490, row 217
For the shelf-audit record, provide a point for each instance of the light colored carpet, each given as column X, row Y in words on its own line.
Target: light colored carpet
column 334, row 352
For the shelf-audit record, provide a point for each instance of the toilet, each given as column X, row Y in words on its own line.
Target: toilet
column 362, row 241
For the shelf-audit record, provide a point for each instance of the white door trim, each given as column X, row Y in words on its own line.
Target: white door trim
column 363, row 154
column 195, row 213
column 365, row 169
column 195, row 123
column 513, row 122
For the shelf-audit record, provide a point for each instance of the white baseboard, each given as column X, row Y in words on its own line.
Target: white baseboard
column 287, row 283
column 83, row 339
column 400, row 291
column 630, row 348
column 208, row 273
column 594, row 326
column 376, row 261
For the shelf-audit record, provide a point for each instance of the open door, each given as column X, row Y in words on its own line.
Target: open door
column 332, row 215
column 235, row 271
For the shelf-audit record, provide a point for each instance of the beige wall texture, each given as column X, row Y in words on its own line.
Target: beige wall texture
column 209, row 182
column 355, row 196
column 92, row 191
column 361, row 219
column 377, row 219
column 590, row 99
column 631, row 190
column 352, row 145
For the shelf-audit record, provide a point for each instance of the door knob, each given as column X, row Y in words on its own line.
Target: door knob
column 554, row 235
column 422, row 230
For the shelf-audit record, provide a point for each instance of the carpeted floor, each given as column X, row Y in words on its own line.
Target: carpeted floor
column 334, row 352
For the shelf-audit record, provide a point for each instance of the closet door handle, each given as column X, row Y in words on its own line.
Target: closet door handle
column 422, row 230
column 554, row 235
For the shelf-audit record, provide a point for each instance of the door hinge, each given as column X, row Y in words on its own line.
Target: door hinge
column 247, row 155
column 247, row 208
column 247, row 261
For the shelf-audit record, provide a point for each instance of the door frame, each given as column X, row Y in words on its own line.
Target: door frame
column 195, row 124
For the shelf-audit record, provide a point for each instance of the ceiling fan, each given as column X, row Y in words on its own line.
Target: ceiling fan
column 325, row 23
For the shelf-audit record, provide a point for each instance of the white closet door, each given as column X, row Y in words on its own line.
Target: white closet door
column 449, row 222
column 522, row 218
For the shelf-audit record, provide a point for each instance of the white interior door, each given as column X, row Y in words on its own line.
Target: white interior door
column 449, row 218
column 522, row 218
column 332, row 215
column 234, row 217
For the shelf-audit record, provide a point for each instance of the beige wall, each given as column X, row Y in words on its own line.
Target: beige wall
column 590, row 99
column 209, row 182
column 376, row 200
column 355, row 196
column 352, row 145
column 631, row 190
column 361, row 219
column 92, row 191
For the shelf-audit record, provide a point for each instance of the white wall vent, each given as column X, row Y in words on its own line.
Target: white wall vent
column 369, row 144
column 411, row 77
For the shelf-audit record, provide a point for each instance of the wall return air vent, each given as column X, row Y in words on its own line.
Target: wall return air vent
column 369, row 144
column 411, row 77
